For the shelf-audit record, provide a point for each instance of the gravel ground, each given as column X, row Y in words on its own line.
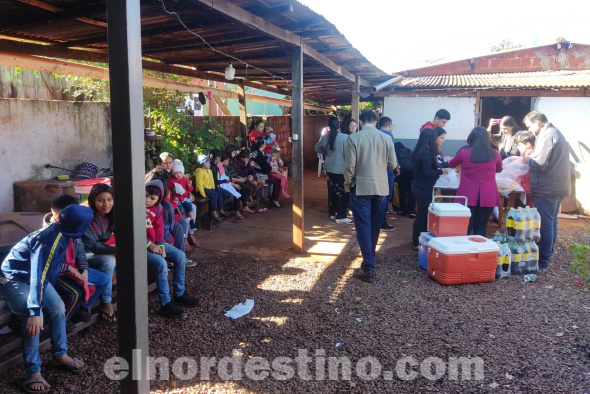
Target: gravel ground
column 310, row 303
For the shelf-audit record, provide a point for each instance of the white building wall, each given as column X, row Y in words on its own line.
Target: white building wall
column 570, row 116
column 409, row 113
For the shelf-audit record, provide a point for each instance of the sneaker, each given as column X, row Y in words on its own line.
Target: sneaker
column 365, row 276
column 332, row 217
column 343, row 220
column 190, row 263
column 187, row 300
column 412, row 215
column 286, row 195
column 414, row 247
column 171, row 310
column 387, row 227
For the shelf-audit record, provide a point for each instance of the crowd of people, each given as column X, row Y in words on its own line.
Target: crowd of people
column 59, row 271
column 362, row 166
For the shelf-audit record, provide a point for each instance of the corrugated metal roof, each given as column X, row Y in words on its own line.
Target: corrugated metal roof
column 528, row 80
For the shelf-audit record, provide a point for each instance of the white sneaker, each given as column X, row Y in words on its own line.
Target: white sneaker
column 345, row 220
column 332, row 217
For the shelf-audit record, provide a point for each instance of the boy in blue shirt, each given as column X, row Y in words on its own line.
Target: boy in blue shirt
column 31, row 268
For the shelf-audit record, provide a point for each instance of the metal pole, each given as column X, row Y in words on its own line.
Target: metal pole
column 297, row 131
column 124, row 45
column 355, row 101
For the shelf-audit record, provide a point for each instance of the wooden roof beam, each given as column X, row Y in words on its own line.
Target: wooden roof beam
column 51, row 8
column 241, row 15
column 55, row 51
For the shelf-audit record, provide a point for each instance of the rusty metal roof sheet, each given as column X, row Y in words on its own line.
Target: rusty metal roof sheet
column 528, row 80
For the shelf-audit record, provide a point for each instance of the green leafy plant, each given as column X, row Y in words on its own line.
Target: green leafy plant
column 581, row 255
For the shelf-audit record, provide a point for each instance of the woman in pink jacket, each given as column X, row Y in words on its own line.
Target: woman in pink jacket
column 479, row 163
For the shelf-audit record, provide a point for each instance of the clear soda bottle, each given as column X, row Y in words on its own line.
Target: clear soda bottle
column 536, row 225
column 528, row 224
column 526, row 256
column 510, row 230
column 504, row 259
column 519, row 223
column 517, row 267
column 533, row 264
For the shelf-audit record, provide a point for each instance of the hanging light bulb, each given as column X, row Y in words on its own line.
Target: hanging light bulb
column 230, row 72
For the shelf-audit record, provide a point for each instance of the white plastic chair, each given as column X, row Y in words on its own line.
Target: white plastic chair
column 320, row 164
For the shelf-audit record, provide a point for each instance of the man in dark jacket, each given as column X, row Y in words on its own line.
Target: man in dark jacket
column 550, row 178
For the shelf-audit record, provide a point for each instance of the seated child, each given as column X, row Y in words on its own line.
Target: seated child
column 276, row 163
column 525, row 142
column 77, row 284
column 175, row 230
column 159, row 252
column 180, row 190
column 239, row 183
column 32, row 267
column 99, row 240
column 245, row 170
column 224, row 186
column 206, row 187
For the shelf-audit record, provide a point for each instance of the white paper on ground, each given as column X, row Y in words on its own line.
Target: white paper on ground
column 240, row 310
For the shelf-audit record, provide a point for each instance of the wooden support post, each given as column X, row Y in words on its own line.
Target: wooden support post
column 124, row 43
column 243, row 117
column 222, row 106
column 297, row 136
column 355, row 100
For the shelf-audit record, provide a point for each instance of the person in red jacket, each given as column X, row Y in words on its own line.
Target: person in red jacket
column 159, row 252
column 256, row 131
column 441, row 118
column 180, row 191
column 525, row 142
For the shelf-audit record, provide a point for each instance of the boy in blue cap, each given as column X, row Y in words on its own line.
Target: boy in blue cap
column 31, row 268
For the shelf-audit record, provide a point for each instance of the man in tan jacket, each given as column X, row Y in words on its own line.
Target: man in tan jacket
column 369, row 153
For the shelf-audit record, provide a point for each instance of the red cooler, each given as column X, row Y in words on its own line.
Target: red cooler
column 448, row 219
column 466, row 259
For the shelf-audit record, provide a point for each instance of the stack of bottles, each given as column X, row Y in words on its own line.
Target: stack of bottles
column 519, row 253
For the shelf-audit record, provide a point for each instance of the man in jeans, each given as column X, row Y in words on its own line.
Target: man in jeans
column 368, row 155
column 550, row 178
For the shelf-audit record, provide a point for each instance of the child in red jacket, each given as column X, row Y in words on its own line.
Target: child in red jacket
column 159, row 252
column 525, row 142
column 180, row 190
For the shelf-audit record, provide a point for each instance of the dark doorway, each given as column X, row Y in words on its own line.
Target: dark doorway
column 498, row 107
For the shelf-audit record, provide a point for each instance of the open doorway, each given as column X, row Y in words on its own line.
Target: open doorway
column 498, row 107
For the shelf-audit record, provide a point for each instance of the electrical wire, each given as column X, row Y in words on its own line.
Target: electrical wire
column 216, row 50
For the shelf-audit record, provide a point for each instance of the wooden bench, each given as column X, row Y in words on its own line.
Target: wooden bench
column 10, row 354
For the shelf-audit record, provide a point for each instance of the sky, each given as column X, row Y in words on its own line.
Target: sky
column 399, row 35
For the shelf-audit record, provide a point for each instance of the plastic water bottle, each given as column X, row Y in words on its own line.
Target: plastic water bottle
column 526, row 256
column 510, row 230
column 529, row 278
column 533, row 265
column 528, row 224
column 536, row 224
column 498, row 237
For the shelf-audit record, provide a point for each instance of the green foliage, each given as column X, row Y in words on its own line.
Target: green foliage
column 181, row 138
column 581, row 254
